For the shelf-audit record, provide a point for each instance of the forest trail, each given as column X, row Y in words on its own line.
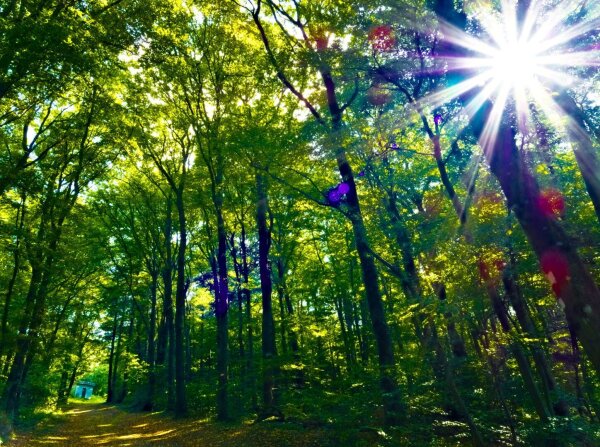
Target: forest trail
column 108, row 425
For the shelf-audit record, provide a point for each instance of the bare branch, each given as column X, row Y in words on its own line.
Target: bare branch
column 280, row 74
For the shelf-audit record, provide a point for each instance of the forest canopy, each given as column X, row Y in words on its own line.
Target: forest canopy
column 378, row 217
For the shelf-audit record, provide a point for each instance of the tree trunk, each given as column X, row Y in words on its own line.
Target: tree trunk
column 166, row 342
column 61, row 395
column 149, row 404
column 282, row 321
column 240, row 303
column 248, row 317
column 117, row 358
column 32, row 319
column 269, row 350
column 426, row 330
column 180, row 398
column 125, row 385
column 288, row 307
column 221, row 300
column 111, row 360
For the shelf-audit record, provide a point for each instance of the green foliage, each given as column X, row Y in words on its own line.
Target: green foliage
column 111, row 111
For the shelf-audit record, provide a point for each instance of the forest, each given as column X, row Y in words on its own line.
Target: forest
column 317, row 222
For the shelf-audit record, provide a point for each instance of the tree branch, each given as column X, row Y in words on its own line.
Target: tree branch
column 280, row 74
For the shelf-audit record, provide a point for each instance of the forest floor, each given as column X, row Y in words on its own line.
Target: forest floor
column 97, row 424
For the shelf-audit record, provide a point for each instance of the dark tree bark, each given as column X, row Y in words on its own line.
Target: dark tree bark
column 251, row 379
column 180, row 397
column 239, row 294
column 149, row 404
column 221, row 292
column 166, row 335
column 110, row 393
column 269, row 350
column 116, row 360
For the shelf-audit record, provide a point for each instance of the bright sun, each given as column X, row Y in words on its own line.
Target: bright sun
column 515, row 65
column 522, row 61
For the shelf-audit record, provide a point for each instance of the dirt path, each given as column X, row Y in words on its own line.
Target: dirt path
column 107, row 425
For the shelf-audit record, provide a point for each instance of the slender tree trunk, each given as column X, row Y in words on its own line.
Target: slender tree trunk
column 427, row 331
column 392, row 407
column 70, row 368
column 166, row 344
column 62, row 396
column 453, row 391
column 221, row 299
column 544, row 409
column 348, row 312
column 366, row 340
column 167, row 279
column 110, row 393
column 358, row 314
column 457, row 342
column 248, row 317
column 189, row 336
column 282, row 322
column 180, row 397
column 337, row 301
column 541, row 407
column 149, row 404
column 72, row 378
column 437, row 152
column 12, row 390
column 288, row 309
column 269, row 350
column 130, row 332
column 117, row 359
column 240, row 302
column 494, row 369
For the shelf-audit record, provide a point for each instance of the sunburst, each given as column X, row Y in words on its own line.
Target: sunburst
column 521, row 61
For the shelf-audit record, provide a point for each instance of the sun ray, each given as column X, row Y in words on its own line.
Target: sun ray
column 458, row 37
column 590, row 58
column 443, row 96
column 490, row 131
